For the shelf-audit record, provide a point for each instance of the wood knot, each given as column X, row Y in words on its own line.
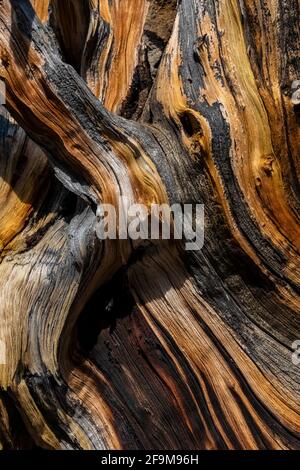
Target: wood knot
column 190, row 124
column 4, row 61
column 258, row 182
column 267, row 164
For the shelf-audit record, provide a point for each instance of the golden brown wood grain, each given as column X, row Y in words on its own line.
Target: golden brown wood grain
column 122, row 345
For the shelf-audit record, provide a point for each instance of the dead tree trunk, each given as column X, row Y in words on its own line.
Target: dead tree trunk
column 130, row 345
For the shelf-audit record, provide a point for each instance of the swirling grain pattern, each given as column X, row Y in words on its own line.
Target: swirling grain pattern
column 118, row 344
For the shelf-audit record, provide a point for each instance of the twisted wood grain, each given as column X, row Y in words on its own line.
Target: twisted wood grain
column 122, row 345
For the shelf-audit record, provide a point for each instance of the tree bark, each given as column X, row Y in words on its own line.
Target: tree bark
column 122, row 344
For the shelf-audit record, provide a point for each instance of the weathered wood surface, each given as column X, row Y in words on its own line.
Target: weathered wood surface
column 114, row 345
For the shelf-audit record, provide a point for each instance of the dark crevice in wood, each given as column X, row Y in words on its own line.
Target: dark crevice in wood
column 110, row 303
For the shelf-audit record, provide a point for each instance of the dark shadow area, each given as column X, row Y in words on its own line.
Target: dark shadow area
column 110, row 303
column 22, row 19
column 19, row 437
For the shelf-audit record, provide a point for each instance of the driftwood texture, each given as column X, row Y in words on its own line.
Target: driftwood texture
column 122, row 345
